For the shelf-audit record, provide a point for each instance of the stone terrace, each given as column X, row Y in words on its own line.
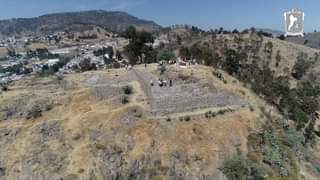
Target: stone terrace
column 183, row 97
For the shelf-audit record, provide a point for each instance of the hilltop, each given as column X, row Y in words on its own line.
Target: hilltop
column 85, row 131
column 237, row 105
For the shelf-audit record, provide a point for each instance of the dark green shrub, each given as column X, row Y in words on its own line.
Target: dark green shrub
column 236, row 168
column 292, row 138
column 207, row 115
column 187, row 118
column 221, row 112
column 87, row 65
column 100, row 146
column 318, row 167
column 268, row 49
column 301, row 66
column 4, row 87
column 184, row 52
column 232, row 64
column 300, row 117
column 162, row 69
column 124, row 99
column 2, row 171
column 257, row 171
column 165, row 54
column 127, row 89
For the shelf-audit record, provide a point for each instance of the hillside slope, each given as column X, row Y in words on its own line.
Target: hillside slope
column 112, row 21
column 88, row 134
column 223, row 120
column 286, row 76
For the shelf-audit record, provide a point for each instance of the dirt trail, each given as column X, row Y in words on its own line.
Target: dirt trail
column 144, row 78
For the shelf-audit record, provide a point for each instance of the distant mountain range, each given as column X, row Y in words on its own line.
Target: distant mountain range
column 275, row 33
column 114, row 21
column 310, row 39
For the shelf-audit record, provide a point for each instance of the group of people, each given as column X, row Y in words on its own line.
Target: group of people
column 128, row 67
column 162, row 83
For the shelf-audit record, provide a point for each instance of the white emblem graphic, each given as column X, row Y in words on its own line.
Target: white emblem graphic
column 294, row 21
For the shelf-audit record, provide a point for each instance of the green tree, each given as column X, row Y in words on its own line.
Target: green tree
column 195, row 51
column 301, row 66
column 130, row 33
column 151, row 56
column 232, row 64
column 268, row 48
column 220, row 31
column 139, row 44
column 179, row 40
column 235, row 31
column 282, row 37
column 165, row 54
column 210, row 59
column 184, row 52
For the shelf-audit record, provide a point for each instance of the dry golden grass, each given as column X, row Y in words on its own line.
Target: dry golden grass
column 3, row 51
column 80, row 116
column 34, row 46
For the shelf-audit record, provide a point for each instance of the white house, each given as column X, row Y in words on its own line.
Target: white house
column 52, row 62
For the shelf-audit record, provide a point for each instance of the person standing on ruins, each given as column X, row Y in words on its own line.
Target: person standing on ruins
column 165, row 83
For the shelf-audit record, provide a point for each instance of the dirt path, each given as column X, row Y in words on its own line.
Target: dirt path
column 144, row 79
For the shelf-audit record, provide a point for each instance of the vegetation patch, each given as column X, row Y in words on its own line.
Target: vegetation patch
column 240, row 167
column 318, row 167
column 211, row 114
column 276, row 149
column 127, row 89
column 125, row 99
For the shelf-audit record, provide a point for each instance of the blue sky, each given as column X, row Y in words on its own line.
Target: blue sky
column 203, row 13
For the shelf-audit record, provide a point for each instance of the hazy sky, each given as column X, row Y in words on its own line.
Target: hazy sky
column 203, row 13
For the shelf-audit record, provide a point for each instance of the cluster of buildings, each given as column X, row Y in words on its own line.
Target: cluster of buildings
column 15, row 67
column 60, row 45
